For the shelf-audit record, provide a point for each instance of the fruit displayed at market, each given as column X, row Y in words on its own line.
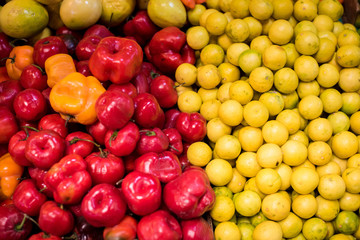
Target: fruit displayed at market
column 179, row 119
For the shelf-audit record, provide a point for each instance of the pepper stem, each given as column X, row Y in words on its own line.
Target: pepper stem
column 154, row 74
column 76, row 139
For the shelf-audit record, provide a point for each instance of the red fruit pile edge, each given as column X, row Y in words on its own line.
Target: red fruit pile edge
column 100, row 154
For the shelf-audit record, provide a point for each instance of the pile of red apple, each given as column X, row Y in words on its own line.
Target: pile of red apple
column 124, row 176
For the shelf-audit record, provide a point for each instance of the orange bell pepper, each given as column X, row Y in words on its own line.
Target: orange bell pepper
column 74, row 97
column 57, row 67
column 19, row 58
column 4, row 76
column 10, row 174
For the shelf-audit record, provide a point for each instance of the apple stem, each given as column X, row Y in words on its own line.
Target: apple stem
column 76, row 139
column 43, row 189
column 172, row 147
column 29, row 127
column 38, row 67
column 148, row 132
column 31, row 219
column 19, row 227
column 154, row 74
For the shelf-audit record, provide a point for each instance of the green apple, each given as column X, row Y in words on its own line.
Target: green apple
column 80, row 14
column 114, row 12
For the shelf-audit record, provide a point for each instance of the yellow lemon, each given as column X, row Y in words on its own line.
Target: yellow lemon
column 348, row 37
column 348, row 56
column 186, row 74
column 306, row 67
column 351, row 178
column 231, row 112
column 304, row 206
column 210, row 108
column 197, row 37
column 281, row 32
column 286, row 80
column 326, row 50
column 189, row 101
column 308, row 88
column 344, row 144
column 285, row 172
column 305, row 10
column 227, row 230
column 333, row 9
column 261, row 9
column 323, row 23
column 327, row 209
column 351, row 102
column 250, row 138
column 314, row 228
column 208, row 76
column 260, row 43
column 294, row 152
column 300, row 136
column 261, row 79
column 193, row 15
column 307, row 42
column 275, row 132
column 275, row 206
column 247, row 164
column 212, row 54
column 338, row 28
column 310, row 107
column 223, row 209
column 227, row 147
column 205, row 14
column 328, row 75
column 319, row 153
column 283, row 9
column 228, row 72
column 219, row 172
column 237, row 182
column 268, row 230
column 237, row 30
column 216, row 23
column 269, row 155
column 290, row 119
column 223, row 93
column 328, row 35
column 304, row 180
column 247, row 203
column 328, row 168
column 239, row 8
column 350, row 202
column 355, row 122
column 241, row 91
column 256, row 113
column 354, row 161
column 291, row 54
column 332, row 100
column 319, row 129
column 268, row 180
column 291, row 225
column 331, row 186
column 249, row 60
column 215, row 128
column 199, row 154
column 273, row 101
column 274, row 57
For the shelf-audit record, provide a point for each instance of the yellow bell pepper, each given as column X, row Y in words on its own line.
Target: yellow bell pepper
column 10, row 174
column 74, row 97
column 57, row 67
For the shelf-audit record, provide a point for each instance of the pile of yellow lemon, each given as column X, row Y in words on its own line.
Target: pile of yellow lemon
column 278, row 82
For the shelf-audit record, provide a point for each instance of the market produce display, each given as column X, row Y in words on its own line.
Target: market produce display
column 179, row 119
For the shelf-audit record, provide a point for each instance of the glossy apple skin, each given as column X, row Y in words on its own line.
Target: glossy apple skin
column 8, row 125
column 30, row 105
column 103, row 206
column 142, row 192
column 159, row 225
column 196, row 229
